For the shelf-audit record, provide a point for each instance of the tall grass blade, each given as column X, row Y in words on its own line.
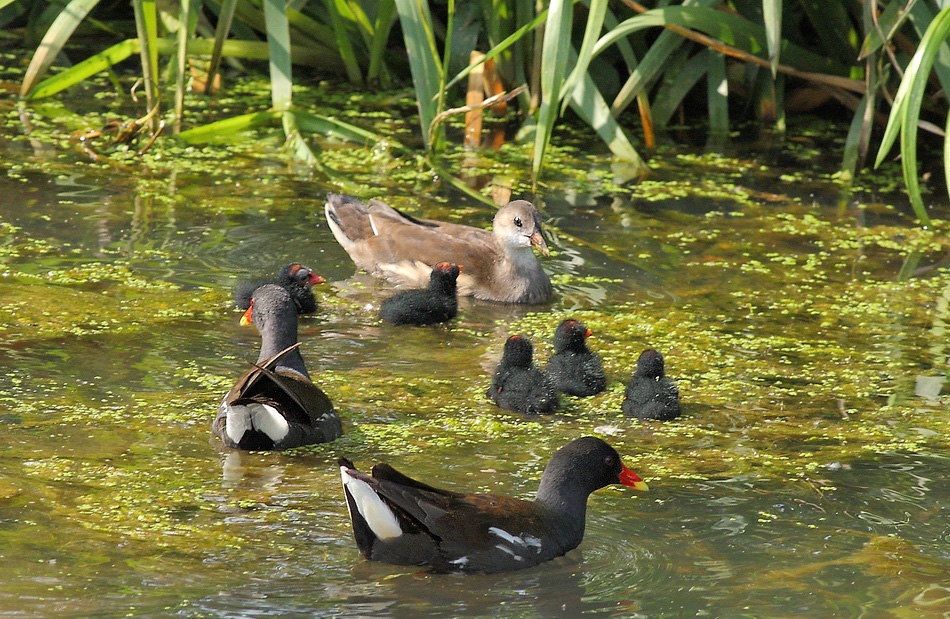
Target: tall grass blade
column 890, row 22
column 588, row 103
column 228, row 127
column 333, row 128
column 728, row 28
column 416, row 22
column 146, row 26
column 717, row 92
column 343, row 42
column 225, row 17
column 188, row 11
column 278, row 46
column 59, row 32
column 510, row 40
column 296, row 143
column 385, row 18
column 87, row 68
column 772, row 17
column 907, row 104
column 596, row 13
column 556, row 48
column 921, row 17
column 676, row 86
column 852, row 144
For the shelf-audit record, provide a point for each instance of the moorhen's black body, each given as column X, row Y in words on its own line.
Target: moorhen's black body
column 574, row 369
column 399, row 520
column 295, row 277
column 274, row 405
column 650, row 394
column 426, row 306
column 518, row 385
column 499, row 265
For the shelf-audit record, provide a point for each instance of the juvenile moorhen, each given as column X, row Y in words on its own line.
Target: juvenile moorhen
column 518, row 385
column 295, row 277
column 574, row 369
column 399, row 520
column 499, row 265
column 650, row 394
column 274, row 405
column 426, row 306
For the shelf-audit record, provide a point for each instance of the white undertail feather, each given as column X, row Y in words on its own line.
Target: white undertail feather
column 263, row 417
column 340, row 236
column 372, row 225
column 374, row 511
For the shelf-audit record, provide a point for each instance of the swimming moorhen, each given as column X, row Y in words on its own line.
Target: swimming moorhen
column 518, row 385
column 295, row 277
column 499, row 265
column 274, row 405
column 399, row 520
column 574, row 369
column 426, row 306
column 650, row 394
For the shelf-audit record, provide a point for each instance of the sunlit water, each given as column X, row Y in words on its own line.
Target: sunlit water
column 114, row 499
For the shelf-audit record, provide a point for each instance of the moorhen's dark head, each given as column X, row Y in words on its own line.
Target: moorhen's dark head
column 571, row 335
column 518, row 352
column 587, row 464
column 444, row 276
column 271, row 307
column 650, row 364
column 518, row 224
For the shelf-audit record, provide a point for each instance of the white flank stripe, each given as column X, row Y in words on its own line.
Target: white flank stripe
column 374, row 511
column 373, row 226
column 505, row 535
column 266, row 419
column 238, row 422
column 460, row 561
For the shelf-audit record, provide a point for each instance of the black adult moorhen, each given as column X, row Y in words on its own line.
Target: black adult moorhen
column 518, row 385
column 399, row 520
column 499, row 265
column 650, row 394
column 574, row 369
column 426, row 306
column 274, row 405
column 295, row 277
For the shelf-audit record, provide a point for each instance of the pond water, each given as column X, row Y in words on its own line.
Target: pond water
column 806, row 328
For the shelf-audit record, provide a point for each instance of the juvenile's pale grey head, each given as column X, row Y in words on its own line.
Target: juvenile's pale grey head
column 517, row 225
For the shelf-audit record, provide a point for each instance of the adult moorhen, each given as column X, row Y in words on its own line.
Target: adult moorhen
column 574, row 369
column 426, row 306
column 650, row 394
column 274, row 405
column 295, row 277
column 399, row 520
column 499, row 265
column 519, row 386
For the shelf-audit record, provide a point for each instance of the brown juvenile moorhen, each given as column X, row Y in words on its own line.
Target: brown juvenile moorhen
column 399, row 520
column 426, row 306
column 274, row 405
column 650, row 394
column 574, row 369
column 295, row 277
column 499, row 265
column 518, row 385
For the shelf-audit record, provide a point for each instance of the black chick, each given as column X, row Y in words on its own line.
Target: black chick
column 295, row 278
column 426, row 306
column 574, row 369
column 518, row 385
column 650, row 394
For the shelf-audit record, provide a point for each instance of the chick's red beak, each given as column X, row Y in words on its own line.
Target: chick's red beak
column 315, row 279
column 588, row 333
column 629, row 478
